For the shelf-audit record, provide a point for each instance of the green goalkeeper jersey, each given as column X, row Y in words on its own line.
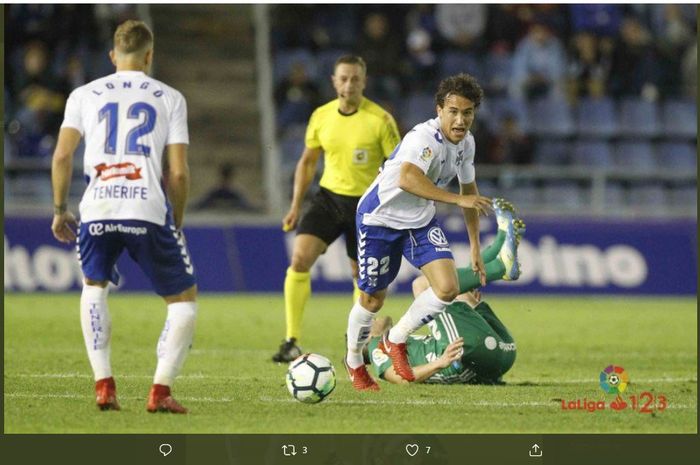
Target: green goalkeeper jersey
column 489, row 350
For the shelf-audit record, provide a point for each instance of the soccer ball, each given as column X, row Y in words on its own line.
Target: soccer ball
column 310, row 378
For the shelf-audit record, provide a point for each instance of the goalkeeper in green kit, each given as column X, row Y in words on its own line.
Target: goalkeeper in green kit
column 468, row 343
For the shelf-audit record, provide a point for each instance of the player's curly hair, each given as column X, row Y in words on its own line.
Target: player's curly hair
column 132, row 36
column 461, row 84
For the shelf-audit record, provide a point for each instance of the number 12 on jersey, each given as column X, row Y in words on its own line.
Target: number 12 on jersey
column 110, row 113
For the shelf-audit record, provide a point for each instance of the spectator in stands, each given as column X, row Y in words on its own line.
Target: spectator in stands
column 225, row 195
column 690, row 72
column 296, row 97
column 423, row 44
column 673, row 30
column 292, row 26
column 40, row 101
column 461, row 25
column 635, row 70
column 380, row 46
column 594, row 28
column 539, row 64
column 556, row 16
column 505, row 27
column 422, row 60
column 589, row 66
column 509, row 144
column 422, row 16
column 597, row 19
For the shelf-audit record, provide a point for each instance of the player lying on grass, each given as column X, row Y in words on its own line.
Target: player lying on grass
column 468, row 343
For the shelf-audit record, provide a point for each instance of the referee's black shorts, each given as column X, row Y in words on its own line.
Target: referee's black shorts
column 329, row 215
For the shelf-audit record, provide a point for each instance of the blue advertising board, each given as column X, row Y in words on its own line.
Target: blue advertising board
column 558, row 256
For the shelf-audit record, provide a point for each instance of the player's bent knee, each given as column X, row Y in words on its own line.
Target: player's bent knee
column 447, row 294
column 371, row 302
column 302, row 261
column 90, row 282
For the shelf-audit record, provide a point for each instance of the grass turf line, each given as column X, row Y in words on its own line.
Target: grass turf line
column 230, row 385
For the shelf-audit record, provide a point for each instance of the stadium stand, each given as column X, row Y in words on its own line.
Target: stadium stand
column 629, row 132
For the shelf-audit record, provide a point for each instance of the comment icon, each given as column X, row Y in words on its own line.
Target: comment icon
column 165, row 449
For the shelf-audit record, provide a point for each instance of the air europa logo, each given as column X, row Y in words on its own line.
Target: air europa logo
column 127, row 170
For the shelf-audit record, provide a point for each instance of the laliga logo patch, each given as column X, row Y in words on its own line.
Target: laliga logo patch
column 426, row 154
column 127, row 170
column 437, row 237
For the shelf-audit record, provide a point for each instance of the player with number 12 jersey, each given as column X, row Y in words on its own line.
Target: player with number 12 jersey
column 129, row 122
column 127, row 119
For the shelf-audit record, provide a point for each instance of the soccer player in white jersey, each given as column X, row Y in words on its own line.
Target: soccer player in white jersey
column 396, row 216
column 129, row 120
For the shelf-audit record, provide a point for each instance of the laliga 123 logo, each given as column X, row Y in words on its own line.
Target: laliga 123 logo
column 614, row 379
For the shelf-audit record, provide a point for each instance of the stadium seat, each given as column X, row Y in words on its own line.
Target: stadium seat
column 293, row 113
column 563, row 194
column 488, row 188
column 525, row 196
column 419, row 107
column 499, row 107
column 596, row 154
column 680, row 118
column 647, row 195
column 677, row 156
column 284, row 60
column 454, row 62
column 639, row 117
column 552, row 152
column 292, row 145
column 551, row 117
column 497, row 70
column 634, row 155
column 614, row 195
column 596, row 117
column 684, row 196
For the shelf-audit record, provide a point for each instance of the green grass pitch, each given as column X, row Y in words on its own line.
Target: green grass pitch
column 231, row 386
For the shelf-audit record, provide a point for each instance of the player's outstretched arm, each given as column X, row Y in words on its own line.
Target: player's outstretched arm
column 452, row 353
column 303, row 175
column 61, row 173
column 178, row 181
column 414, row 181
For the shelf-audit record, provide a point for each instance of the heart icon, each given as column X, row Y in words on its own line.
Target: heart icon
column 411, row 449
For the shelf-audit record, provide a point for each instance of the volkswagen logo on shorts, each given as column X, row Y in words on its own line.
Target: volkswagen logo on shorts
column 96, row 229
column 437, row 237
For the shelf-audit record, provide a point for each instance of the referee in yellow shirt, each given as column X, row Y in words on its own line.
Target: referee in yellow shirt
column 355, row 135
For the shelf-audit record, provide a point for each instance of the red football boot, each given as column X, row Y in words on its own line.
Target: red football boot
column 106, row 394
column 160, row 400
column 361, row 379
column 399, row 358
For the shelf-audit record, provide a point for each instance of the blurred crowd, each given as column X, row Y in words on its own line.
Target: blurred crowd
column 565, row 84
column 49, row 51
column 596, row 87
column 520, row 54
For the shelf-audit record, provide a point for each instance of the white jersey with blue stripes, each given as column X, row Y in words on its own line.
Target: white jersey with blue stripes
column 385, row 204
column 126, row 119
